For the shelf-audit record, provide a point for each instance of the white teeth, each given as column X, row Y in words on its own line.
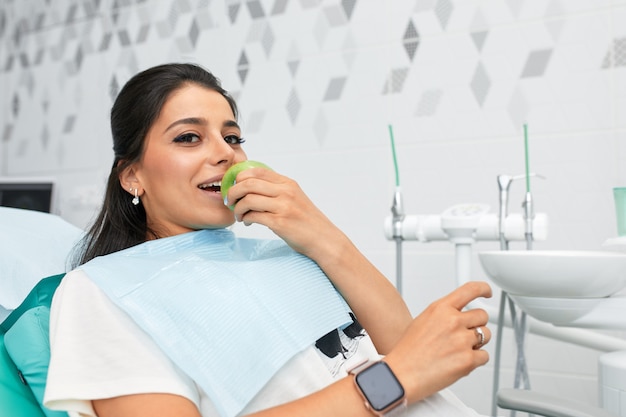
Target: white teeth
column 213, row 184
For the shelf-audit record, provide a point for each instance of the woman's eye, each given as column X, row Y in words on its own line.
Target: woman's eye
column 187, row 138
column 234, row 140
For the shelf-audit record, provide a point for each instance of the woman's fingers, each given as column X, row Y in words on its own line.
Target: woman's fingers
column 443, row 343
column 468, row 292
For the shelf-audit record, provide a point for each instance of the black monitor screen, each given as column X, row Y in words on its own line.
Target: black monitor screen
column 30, row 196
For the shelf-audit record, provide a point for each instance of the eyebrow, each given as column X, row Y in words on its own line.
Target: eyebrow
column 199, row 121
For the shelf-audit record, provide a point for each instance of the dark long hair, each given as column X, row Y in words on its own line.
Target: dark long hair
column 120, row 224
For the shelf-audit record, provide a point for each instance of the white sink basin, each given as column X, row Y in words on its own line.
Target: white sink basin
column 558, row 311
column 556, row 274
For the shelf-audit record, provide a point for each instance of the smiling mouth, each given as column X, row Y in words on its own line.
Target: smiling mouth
column 214, row 186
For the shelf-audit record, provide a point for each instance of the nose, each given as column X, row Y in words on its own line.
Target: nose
column 220, row 152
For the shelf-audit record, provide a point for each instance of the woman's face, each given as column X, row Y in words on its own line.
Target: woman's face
column 187, row 150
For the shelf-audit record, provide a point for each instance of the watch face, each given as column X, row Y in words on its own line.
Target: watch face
column 380, row 386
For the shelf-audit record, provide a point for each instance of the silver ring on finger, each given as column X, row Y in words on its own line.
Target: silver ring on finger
column 481, row 337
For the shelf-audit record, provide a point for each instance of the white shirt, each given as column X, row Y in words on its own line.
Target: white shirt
column 97, row 351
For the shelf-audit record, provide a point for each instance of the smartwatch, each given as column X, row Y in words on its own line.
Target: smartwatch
column 379, row 387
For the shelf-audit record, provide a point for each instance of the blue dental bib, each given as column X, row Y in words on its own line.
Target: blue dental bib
column 230, row 312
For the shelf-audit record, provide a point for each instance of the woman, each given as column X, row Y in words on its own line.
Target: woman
column 175, row 134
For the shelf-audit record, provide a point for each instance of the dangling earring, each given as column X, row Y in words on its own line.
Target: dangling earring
column 135, row 200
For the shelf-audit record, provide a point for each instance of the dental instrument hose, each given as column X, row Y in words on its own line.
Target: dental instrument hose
column 397, row 210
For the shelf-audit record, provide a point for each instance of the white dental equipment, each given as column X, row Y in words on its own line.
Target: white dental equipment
column 464, row 224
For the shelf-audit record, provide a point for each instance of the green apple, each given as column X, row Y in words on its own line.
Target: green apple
column 231, row 174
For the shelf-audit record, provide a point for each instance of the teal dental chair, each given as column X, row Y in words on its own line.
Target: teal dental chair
column 25, row 354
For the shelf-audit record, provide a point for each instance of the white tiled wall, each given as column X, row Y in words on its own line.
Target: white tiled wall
column 323, row 80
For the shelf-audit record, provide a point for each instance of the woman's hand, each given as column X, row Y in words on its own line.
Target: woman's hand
column 271, row 199
column 268, row 198
column 442, row 345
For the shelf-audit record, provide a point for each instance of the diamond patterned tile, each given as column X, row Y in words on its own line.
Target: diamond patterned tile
column 243, row 67
column 348, row 7
column 395, row 81
column 123, row 37
column 7, row 131
column 480, row 84
column 105, row 43
column 428, row 103
column 335, row 16
column 3, row 22
column 205, row 20
column 233, row 12
column 293, row 106
column 45, row 102
column 173, row 15
column 616, row 54
column 280, row 6
column 15, row 105
column 536, row 63
column 78, row 58
column 142, row 35
column 8, row 65
column 619, row 46
column 410, row 40
column 443, row 11
column 479, row 39
column 268, row 39
column 293, row 67
column 45, row 136
column 194, row 32
column 255, row 8
column 334, row 89
column 411, row 48
column 39, row 22
column 114, row 88
column 71, row 14
column 23, row 60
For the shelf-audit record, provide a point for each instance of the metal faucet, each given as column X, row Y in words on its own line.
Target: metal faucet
column 397, row 211
column 529, row 215
column 504, row 183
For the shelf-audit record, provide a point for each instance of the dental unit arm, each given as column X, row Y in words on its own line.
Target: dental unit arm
column 464, row 224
